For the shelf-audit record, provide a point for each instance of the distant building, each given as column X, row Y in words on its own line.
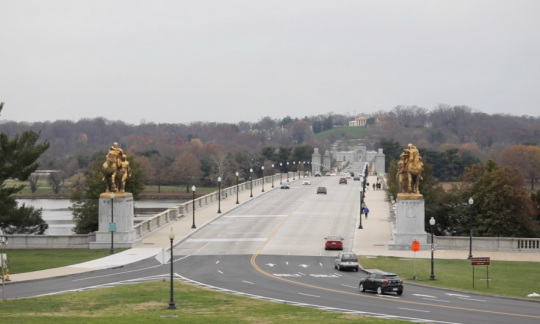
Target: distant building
column 359, row 121
column 355, row 157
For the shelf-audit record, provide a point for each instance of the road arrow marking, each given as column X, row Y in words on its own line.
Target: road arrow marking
column 458, row 295
column 427, row 296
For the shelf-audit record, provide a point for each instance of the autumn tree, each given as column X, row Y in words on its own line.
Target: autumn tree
column 502, row 206
column 525, row 158
column 18, row 159
column 186, row 169
column 269, row 153
column 283, row 156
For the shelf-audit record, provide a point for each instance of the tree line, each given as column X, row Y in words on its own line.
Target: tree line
column 451, row 139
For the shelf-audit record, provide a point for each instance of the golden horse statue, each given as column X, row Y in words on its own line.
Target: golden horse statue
column 414, row 168
column 410, row 168
column 110, row 169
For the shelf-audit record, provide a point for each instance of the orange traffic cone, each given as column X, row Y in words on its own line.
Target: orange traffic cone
column 6, row 278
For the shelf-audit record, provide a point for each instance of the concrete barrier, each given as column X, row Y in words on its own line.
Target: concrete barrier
column 488, row 244
column 20, row 241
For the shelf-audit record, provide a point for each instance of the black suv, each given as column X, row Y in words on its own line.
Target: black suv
column 382, row 282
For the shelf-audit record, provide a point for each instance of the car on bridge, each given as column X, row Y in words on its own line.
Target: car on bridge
column 321, row 190
column 333, row 242
column 306, row 182
column 285, row 185
column 343, row 180
column 382, row 282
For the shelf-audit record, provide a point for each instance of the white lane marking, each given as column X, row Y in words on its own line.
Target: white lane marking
column 320, row 264
column 458, row 295
column 253, row 216
column 472, row 299
column 294, row 275
column 303, row 265
column 437, row 300
column 354, row 287
column 240, row 239
column 217, row 261
column 415, row 310
column 323, row 275
column 251, row 283
column 220, row 271
column 428, row 296
column 309, row 295
column 270, row 265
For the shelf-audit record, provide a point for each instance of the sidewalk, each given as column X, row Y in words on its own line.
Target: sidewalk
column 371, row 240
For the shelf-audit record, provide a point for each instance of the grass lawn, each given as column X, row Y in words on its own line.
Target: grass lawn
column 147, row 303
column 21, row 261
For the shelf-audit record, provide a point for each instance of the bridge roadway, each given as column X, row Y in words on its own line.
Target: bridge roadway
column 272, row 248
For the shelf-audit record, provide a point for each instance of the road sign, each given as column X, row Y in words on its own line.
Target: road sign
column 415, row 246
column 112, row 227
column 480, row 261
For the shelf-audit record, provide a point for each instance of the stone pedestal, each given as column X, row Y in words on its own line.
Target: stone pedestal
column 115, row 208
column 410, row 220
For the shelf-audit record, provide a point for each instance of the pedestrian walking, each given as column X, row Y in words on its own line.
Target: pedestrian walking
column 366, row 211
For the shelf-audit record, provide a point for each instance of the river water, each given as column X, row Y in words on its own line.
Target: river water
column 60, row 219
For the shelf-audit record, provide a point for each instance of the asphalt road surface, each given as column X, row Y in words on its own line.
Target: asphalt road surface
column 272, row 248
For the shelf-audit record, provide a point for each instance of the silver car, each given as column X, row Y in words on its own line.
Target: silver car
column 346, row 260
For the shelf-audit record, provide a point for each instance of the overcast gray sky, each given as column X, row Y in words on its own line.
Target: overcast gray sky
column 220, row 60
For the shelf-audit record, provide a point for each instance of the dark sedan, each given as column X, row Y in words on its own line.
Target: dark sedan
column 321, row 190
column 382, row 282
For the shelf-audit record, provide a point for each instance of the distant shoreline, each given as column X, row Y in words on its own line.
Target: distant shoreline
column 144, row 196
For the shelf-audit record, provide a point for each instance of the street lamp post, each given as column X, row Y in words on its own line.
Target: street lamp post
column 219, row 195
column 287, row 171
column 237, row 202
column 471, row 202
column 432, row 248
column 280, row 173
column 262, row 168
column 293, row 173
column 193, row 190
column 111, row 226
column 171, row 301
column 361, row 207
column 272, row 175
column 251, row 182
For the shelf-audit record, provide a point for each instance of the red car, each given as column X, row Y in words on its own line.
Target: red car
column 343, row 180
column 333, row 242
